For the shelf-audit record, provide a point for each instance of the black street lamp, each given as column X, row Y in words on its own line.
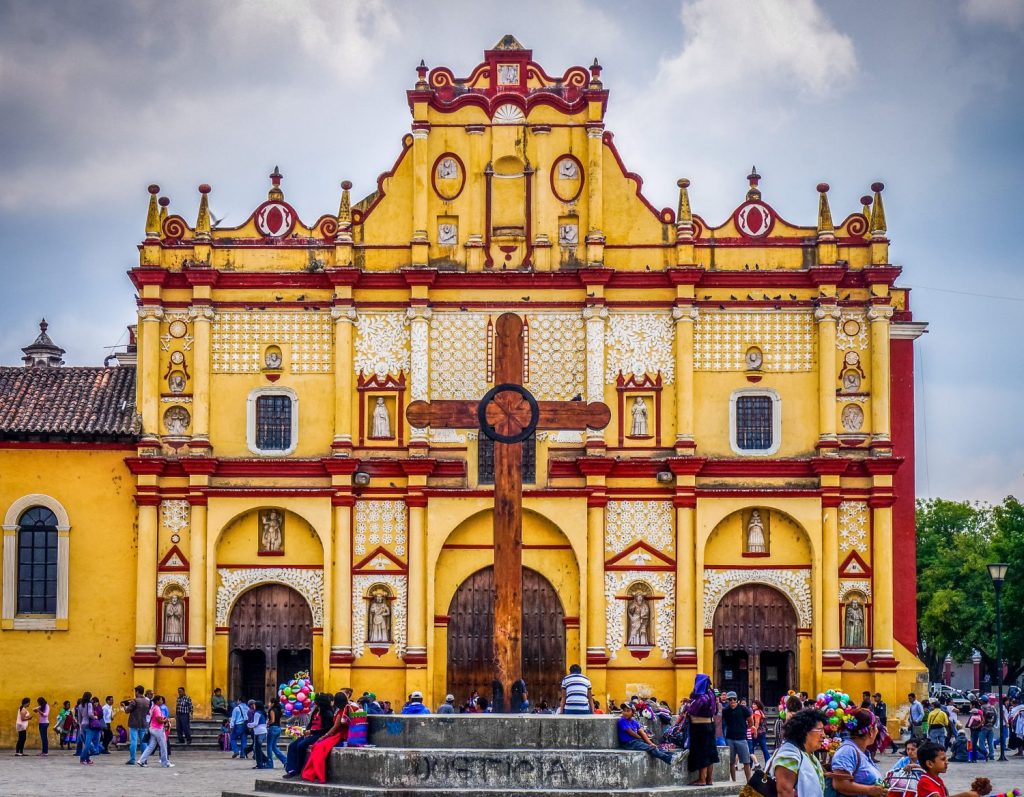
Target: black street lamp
column 998, row 573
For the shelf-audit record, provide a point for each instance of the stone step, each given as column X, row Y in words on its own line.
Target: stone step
column 298, row 788
column 609, row 770
column 495, row 731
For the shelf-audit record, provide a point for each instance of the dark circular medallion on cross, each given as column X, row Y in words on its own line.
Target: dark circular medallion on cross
column 508, row 413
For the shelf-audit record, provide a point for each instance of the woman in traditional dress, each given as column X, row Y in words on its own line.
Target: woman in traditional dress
column 701, row 711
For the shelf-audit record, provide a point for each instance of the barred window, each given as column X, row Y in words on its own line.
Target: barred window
column 37, row 562
column 273, row 423
column 754, row 423
column 485, row 460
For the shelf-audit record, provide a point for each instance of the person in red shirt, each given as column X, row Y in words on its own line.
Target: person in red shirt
column 932, row 758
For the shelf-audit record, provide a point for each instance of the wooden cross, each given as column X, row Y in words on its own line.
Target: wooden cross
column 508, row 414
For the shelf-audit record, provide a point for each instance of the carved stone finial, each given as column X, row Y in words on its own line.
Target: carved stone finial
column 203, row 220
column 163, row 202
column 878, row 227
column 595, row 75
column 153, row 214
column 421, row 76
column 275, row 193
column 345, row 212
column 43, row 352
column 825, row 226
column 684, row 214
column 753, row 179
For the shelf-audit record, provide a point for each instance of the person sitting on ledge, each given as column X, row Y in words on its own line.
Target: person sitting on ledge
column 415, row 705
column 633, row 737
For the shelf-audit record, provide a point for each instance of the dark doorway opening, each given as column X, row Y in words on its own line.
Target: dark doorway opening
column 248, row 668
column 775, row 668
column 290, row 662
column 732, row 669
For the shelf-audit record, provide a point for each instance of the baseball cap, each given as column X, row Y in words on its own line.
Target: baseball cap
column 449, row 699
column 416, row 696
column 731, row 695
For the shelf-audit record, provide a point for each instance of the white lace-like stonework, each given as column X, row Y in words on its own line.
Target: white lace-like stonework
column 175, row 514
column 458, row 356
column 362, row 587
column 662, row 585
column 380, row 523
column 234, row 581
column 853, row 526
column 786, row 340
column 557, row 356
column 381, row 343
column 640, row 343
column 165, row 580
column 629, row 521
column 794, row 584
column 239, row 339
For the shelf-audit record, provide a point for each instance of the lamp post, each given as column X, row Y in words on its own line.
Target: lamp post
column 998, row 573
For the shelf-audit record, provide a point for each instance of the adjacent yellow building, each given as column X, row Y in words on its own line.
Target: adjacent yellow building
column 241, row 495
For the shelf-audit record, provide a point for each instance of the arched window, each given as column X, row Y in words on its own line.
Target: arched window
column 37, row 562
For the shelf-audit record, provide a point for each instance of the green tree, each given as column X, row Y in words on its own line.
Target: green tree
column 955, row 598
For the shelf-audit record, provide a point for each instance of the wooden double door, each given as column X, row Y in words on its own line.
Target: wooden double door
column 471, row 664
column 270, row 639
column 755, row 643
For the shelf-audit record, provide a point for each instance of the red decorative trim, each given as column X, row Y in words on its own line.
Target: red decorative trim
column 416, row 500
column 597, row 660
column 571, row 622
column 594, row 466
column 144, row 658
column 270, row 553
column 844, row 568
column 617, row 561
column 640, row 653
column 418, row 466
column 638, row 384
column 341, row 658
column 854, row 657
column 163, row 567
column 415, row 658
column 462, row 176
column 361, row 567
column 147, row 500
column 261, row 567
column 757, row 567
column 831, row 661
column 195, row 658
column 553, row 176
column 441, row 620
column 887, row 663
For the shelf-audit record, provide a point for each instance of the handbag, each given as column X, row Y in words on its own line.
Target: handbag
column 762, row 784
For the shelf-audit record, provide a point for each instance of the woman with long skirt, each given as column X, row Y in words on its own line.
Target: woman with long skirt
column 703, row 752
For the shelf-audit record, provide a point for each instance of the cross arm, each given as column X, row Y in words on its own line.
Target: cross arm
column 573, row 415
column 443, row 414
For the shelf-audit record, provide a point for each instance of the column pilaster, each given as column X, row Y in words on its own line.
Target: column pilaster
column 345, row 317
column 685, row 316
column 420, row 187
column 145, row 588
column 595, row 193
column 829, row 581
column 879, row 317
column 827, row 316
column 198, row 674
column 416, row 649
column 149, row 370
column 881, row 583
column 202, row 318
column 341, row 588
column 595, row 317
column 419, row 377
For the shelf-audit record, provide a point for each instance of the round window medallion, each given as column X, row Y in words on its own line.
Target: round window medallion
column 754, row 219
column 851, row 358
column 851, row 327
column 275, row 219
column 449, row 176
column 177, row 328
column 177, row 357
column 175, row 538
column 567, row 178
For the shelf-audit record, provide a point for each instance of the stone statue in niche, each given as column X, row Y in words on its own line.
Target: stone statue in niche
column 174, row 621
column 272, row 359
column 378, row 619
column 447, row 169
column 854, row 637
column 271, row 531
column 638, row 621
column 852, row 418
column 639, row 413
column 851, row 381
column 567, row 169
column 176, row 382
column 755, row 534
column 381, row 428
column 177, row 419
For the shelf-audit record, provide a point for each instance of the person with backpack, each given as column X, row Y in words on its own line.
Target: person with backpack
column 975, row 724
column 854, row 774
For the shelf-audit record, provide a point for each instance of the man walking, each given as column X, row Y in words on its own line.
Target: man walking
column 735, row 720
column 138, row 721
column 108, row 724
column 916, row 717
column 183, row 715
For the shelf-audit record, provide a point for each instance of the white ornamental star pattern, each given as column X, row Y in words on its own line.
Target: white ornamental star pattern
column 853, row 526
column 629, row 521
column 381, row 344
column 380, row 523
column 640, row 343
column 458, row 356
column 239, row 338
column 786, row 339
column 844, row 341
column 175, row 514
column 557, row 356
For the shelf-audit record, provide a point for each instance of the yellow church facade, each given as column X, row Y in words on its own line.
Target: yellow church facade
column 262, row 504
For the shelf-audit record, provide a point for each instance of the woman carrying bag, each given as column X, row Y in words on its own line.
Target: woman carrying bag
column 794, row 766
column 854, row 774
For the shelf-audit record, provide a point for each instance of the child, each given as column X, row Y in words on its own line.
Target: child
column 961, row 748
column 120, row 737
column 224, row 738
column 932, row 758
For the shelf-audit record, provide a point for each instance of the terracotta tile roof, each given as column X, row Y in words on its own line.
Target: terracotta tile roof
column 67, row 402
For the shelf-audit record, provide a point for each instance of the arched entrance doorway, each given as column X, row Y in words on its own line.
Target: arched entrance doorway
column 270, row 639
column 471, row 637
column 755, row 643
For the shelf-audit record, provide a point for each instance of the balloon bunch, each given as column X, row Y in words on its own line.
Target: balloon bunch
column 838, row 708
column 297, row 695
column 782, row 704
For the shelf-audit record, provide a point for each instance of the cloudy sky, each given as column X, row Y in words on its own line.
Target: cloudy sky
column 99, row 99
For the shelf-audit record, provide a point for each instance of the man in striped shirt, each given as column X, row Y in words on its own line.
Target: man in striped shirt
column 577, row 697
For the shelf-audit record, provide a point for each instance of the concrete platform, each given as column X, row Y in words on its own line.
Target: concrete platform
column 494, row 732
column 277, row 788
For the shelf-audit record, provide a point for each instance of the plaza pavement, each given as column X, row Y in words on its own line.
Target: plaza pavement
column 206, row 774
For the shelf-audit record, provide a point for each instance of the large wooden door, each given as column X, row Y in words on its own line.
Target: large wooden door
column 471, row 637
column 760, row 622
column 274, row 620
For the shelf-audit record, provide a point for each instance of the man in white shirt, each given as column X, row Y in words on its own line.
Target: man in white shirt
column 577, row 697
column 108, row 724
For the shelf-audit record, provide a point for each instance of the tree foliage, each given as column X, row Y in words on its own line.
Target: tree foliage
column 955, row 597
